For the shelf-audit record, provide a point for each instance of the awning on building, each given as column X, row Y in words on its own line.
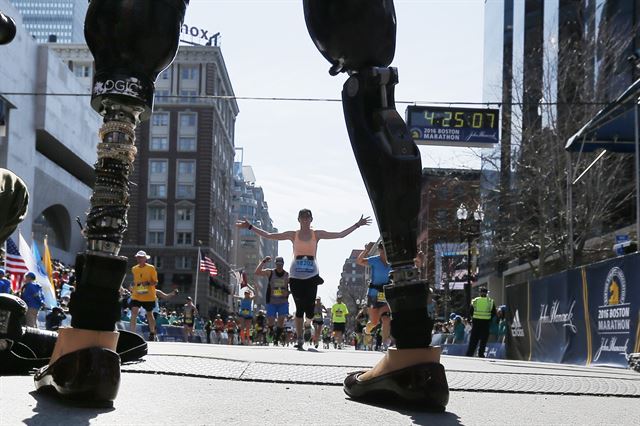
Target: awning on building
column 612, row 128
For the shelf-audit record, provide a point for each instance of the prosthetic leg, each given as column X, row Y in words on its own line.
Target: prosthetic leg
column 358, row 37
column 132, row 41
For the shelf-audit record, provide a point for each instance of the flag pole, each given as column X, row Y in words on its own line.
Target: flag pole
column 195, row 297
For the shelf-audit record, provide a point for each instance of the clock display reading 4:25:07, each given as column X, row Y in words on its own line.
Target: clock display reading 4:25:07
column 454, row 118
column 453, row 126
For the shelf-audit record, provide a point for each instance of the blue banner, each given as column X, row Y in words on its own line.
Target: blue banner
column 587, row 315
column 518, row 331
column 613, row 299
column 557, row 319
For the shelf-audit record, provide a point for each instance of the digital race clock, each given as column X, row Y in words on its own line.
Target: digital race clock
column 465, row 127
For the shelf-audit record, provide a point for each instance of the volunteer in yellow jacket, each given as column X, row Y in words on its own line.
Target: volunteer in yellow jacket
column 304, row 275
column 483, row 308
column 143, row 292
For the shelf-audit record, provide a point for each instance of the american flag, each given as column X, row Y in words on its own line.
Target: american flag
column 15, row 265
column 207, row 264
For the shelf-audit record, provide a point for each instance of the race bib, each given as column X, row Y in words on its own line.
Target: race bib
column 317, row 316
column 141, row 289
column 381, row 297
column 278, row 292
column 339, row 314
column 245, row 312
column 304, row 266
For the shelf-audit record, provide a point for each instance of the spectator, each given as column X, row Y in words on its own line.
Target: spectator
column 54, row 318
column 208, row 326
column 33, row 297
column 65, row 292
column 162, row 318
column 5, row 284
column 458, row 330
column 502, row 323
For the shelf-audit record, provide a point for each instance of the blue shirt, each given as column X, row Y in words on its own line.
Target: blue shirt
column 5, row 286
column 379, row 271
column 32, row 295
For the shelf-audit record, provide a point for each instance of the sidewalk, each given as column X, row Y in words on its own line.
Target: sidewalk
column 199, row 384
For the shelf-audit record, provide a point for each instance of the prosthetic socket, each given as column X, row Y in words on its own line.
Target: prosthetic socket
column 132, row 41
column 7, row 29
column 358, row 37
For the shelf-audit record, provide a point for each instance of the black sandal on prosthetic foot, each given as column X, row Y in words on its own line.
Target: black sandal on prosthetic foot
column 87, row 377
column 422, row 386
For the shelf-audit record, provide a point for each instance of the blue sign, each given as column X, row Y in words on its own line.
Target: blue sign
column 614, row 299
column 446, row 126
column 622, row 238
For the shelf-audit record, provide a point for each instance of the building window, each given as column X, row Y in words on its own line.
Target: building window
column 156, row 261
column 155, row 238
column 156, row 213
column 443, row 193
column 184, row 262
column 188, row 96
column 166, row 74
column 184, row 214
column 162, row 95
column 186, row 191
column 157, row 190
column 187, row 122
column 186, row 168
column 159, row 143
column 186, row 144
column 158, row 167
column 186, row 179
column 442, row 217
column 190, row 72
column 184, row 238
column 82, row 70
column 158, row 176
column 160, row 119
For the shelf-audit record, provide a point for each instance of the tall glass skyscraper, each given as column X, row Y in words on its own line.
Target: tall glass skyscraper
column 61, row 21
column 550, row 65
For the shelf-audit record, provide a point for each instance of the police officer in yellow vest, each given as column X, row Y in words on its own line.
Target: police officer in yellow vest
column 483, row 309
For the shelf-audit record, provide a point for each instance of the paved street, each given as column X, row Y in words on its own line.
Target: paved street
column 196, row 384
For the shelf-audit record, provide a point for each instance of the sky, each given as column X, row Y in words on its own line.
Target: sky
column 299, row 150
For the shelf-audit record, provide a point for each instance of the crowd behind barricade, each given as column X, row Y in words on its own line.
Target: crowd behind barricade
column 457, row 329
column 40, row 314
column 240, row 328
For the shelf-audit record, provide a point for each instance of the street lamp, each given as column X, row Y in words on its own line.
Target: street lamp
column 469, row 228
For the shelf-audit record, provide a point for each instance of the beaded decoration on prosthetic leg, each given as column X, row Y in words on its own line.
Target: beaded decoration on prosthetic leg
column 95, row 303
